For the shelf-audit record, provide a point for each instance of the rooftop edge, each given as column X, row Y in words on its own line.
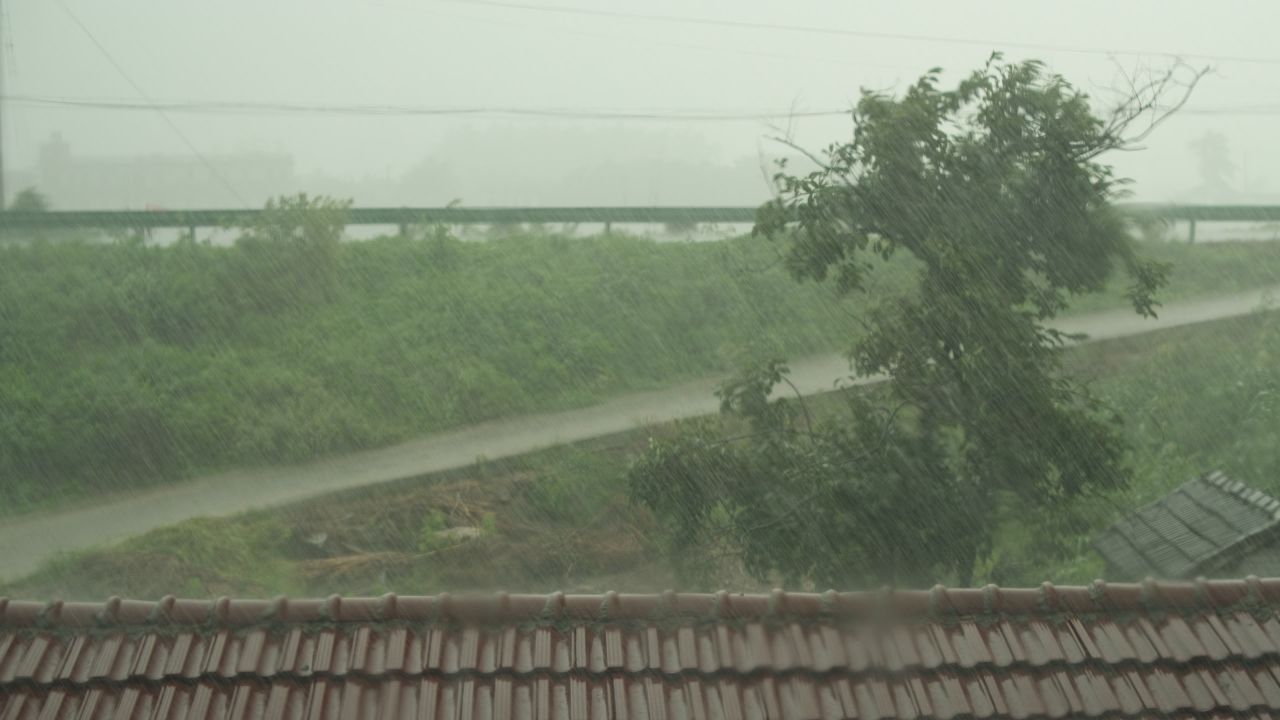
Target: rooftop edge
column 937, row 603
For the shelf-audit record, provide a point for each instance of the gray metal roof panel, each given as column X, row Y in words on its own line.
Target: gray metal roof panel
column 1196, row 524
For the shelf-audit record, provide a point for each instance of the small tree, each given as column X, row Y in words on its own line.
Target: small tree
column 1213, row 156
column 995, row 188
column 29, row 200
column 291, row 251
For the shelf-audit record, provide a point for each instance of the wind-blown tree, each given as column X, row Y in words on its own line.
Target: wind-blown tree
column 996, row 189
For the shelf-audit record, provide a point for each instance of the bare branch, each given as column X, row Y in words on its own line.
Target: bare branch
column 788, row 142
column 769, row 180
column 1159, row 115
column 1143, row 94
column 808, row 419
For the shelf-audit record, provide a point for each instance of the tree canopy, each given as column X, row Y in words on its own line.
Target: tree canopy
column 996, row 188
column 29, row 200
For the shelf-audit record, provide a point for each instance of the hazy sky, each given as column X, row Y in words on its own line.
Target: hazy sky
column 453, row 53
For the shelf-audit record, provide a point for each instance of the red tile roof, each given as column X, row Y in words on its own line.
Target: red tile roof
column 1208, row 649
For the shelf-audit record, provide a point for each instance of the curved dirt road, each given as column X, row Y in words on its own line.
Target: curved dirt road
column 28, row 541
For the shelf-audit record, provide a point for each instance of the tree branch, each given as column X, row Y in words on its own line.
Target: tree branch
column 1144, row 98
column 808, row 419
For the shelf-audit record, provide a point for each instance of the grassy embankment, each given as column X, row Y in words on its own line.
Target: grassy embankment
column 124, row 366
column 1195, row 398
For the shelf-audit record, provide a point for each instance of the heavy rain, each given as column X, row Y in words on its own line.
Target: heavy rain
column 382, row 298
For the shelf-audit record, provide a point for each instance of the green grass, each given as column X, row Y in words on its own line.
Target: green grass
column 1211, row 268
column 123, row 366
column 550, row 520
column 1223, row 411
column 1196, row 398
column 204, row 557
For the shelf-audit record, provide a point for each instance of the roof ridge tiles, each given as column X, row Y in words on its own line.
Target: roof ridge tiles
column 1245, row 493
column 936, row 603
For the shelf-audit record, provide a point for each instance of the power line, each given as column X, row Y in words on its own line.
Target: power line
column 840, row 32
column 613, row 38
column 1238, row 110
column 229, row 107
column 150, row 104
column 4, row 26
column 222, row 107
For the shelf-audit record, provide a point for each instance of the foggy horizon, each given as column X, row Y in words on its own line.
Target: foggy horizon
column 619, row 59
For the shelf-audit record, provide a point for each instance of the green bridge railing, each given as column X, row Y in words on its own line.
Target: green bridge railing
column 380, row 216
column 66, row 219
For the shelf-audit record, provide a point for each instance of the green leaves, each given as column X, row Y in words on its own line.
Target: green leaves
column 747, row 395
column 993, row 190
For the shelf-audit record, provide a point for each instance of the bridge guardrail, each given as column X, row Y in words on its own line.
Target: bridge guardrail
column 404, row 216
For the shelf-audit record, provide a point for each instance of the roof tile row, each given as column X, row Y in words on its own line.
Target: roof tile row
column 1193, row 649
column 1231, row 688
column 1047, row 599
column 120, row 656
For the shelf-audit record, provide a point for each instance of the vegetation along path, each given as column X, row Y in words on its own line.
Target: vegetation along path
column 25, row 542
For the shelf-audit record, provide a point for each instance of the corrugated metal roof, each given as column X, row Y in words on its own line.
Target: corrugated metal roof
column 1203, row 524
column 1210, row 649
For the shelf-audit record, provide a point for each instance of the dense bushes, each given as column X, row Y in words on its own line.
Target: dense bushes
column 123, row 365
column 1197, row 397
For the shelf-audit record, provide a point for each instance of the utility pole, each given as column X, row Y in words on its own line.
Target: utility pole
column 4, row 205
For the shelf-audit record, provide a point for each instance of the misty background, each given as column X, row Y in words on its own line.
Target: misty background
column 267, row 98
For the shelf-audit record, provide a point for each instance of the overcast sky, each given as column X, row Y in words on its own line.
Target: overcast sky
column 456, row 53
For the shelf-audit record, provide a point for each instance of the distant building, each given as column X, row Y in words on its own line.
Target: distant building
column 1211, row 526
column 173, row 181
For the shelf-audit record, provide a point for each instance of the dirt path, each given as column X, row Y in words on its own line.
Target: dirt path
column 26, row 542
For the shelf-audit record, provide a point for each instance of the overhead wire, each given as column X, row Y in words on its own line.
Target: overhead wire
column 844, row 32
column 151, row 104
column 1264, row 110
column 226, row 107
column 642, row 40
column 239, row 107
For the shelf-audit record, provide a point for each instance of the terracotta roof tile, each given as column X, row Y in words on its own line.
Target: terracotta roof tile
column 1208, row 649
